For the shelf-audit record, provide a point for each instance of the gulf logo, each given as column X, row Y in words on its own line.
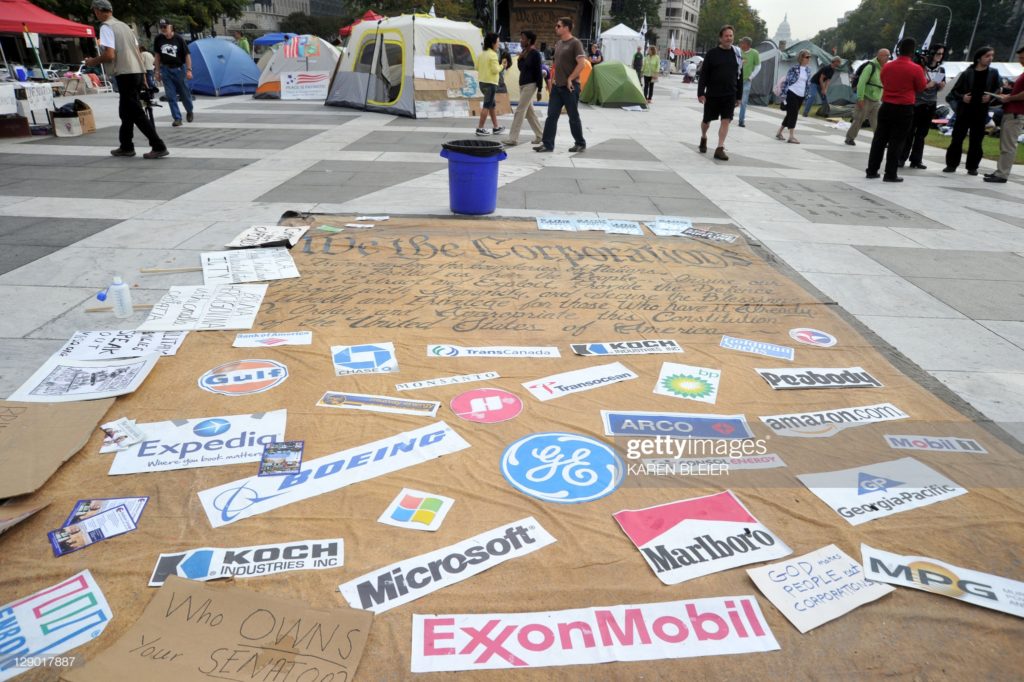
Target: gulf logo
column 243, row 377
column 813, row 337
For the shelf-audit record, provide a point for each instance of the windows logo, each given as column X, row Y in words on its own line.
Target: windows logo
column 413, row 509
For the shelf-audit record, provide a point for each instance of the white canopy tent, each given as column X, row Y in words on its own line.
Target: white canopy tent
column 619, row 43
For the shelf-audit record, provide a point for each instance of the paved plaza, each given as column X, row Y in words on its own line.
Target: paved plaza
column 933, row 266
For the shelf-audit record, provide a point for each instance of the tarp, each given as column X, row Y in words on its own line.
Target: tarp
column 269, row 39
column 619, row 44
column 376, row 71
column 370, row 15
column 300, row 54
column 15, row 14
column 417, row 282
column 220, row 68
column 775, row 64
column 613, row 84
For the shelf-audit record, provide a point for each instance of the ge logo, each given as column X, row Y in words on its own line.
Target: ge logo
column 562, row 467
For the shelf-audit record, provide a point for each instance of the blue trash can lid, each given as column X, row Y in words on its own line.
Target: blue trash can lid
column 474, row 147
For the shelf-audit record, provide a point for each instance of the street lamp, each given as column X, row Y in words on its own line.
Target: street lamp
column 967, row 50
column 948, row 22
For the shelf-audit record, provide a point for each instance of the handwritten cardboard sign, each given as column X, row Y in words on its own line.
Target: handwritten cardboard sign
column 193, row 631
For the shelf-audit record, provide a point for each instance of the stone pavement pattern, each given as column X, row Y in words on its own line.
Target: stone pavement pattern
column 933, row 266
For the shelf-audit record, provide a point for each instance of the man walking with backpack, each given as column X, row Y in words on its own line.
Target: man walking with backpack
column 869, row 95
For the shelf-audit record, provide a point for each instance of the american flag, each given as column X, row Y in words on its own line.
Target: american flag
column 291, row 48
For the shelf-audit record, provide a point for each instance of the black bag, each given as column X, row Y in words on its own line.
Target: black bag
column 856, row 75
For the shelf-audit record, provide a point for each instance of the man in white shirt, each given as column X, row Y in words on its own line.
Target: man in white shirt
column 120, row 49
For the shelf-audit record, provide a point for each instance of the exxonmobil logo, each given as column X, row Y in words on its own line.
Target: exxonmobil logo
column 243, row 377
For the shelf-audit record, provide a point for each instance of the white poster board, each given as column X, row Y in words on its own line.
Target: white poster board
column 305, row 85
column 8, row 104
column 247, row 265
column 203, row 308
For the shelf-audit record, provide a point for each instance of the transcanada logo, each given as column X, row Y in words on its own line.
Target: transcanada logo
column 413, row 578
column 493, row 351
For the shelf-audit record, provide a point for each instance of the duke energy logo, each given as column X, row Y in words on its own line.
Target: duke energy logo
column 562, row 467
column 244, row 377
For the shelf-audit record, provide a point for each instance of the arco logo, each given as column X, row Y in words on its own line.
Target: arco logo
column 243, row 377
column 208, row 428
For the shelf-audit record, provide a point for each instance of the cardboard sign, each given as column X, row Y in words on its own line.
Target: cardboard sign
column 110, row 345
column 417, row 510
column 667, row 226
column 29, row 427
column 827, row 423
column 203, row 308
column 406, row 581
column 201, row 442
column 222, row 632
column 247, row 497
column 210, row 563
column 268, row 235
column 689, row 382
column 770, row 350
column 378, row 403
column 17, row 509
column 938, row 577
column 249, row 265
column 710, row 235
column 675, row 425
column 691, row 538
column 632, row 632
column 558, row 385
column 812, row 589
column 787, row 378
column 556, row 223
column 446, row 381
column 60, row 381
column 874, row 491
column 272, row 339
column 447, row 351
column 50, row 622
column 627, row 347
column 935, row 444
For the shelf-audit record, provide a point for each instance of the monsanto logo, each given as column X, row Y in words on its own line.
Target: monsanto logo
column 243, row 377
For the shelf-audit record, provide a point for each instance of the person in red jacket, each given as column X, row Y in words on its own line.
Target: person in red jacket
column 902, row 79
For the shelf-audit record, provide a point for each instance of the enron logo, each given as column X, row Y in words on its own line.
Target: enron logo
column 243, row 377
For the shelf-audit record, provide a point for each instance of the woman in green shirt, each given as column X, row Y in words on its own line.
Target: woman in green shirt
column 651, row 68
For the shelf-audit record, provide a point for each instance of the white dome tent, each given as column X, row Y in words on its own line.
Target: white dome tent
column 619, row 43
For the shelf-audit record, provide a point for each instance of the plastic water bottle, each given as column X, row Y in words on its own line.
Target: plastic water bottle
column 121, row 298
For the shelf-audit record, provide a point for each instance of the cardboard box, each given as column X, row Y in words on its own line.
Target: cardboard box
column 501, row 103
column 69, row 126
column 14, row 126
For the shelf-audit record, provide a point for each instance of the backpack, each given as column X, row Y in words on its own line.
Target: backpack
column 856, row 75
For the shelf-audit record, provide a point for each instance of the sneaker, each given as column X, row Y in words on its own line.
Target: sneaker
column 703, row 146
column 177, row 122
column 510, row 143
column 949, row 169
column 851, row 143
column 189, row 117
column 483, row 132
column 741, row 124
column 720, row 154
column 891, row 178
column 919, row 166
column 537, row 140
column 576, row 148
column 542, row 148
column 497, row 131
column 871, row 176
column 994, row 178
column 122, row 152
column 156, row 154
column 972, row 171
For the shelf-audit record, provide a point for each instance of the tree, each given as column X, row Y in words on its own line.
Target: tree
column 325, row 27
column 737, row 13
column 456, row 10
column 199, row 14
column 633, row 12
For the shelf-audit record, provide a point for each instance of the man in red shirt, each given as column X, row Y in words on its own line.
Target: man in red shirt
column 1010, row 129
column 902, row 79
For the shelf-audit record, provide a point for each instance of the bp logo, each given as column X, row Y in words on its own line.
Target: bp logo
column 208, row 428
column 444, row 351
column 688, row 381
column 567, row 468
column 243, row 377
column 686, row 386
column 813, row 337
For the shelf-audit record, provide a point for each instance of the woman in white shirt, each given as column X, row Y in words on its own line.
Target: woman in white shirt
column 794, row 90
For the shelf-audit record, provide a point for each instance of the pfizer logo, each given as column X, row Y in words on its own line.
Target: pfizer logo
column 487, row 405
column 244, row 377
column 567, row 468
column 813, row 337
column 208, row 428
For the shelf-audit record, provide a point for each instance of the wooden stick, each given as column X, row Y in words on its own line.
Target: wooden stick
column 161, row 271
column 110, row 308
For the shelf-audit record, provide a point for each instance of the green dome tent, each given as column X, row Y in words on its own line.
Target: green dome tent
column 613, row 84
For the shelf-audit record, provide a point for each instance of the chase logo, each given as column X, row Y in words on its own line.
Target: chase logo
column 364, row 359
column 244, row 377
column 869, row 483
column 444, row 351
column 562, row 467
column 208, row 428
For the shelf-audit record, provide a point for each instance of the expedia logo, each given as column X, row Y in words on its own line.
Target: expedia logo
column 244, row 377
column 208, row 428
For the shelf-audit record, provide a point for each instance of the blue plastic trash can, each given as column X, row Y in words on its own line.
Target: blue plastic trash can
column 473, row 175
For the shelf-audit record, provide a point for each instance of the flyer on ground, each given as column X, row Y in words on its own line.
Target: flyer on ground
column 696, row 537
column 268, row 235
column 282, row 458
column 61, row 381
column 90, row 530
column 84, row 509
column 120, row 434
column 247, row 265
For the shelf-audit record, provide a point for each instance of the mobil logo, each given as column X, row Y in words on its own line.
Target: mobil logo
column 243, row 377
column 562, row 467
column 208, row 428
column 869, row 483
column 813, row 337
column 487, row 405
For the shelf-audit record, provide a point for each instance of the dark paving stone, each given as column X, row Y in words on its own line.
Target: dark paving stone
column 734, row 158
column 991, row 193
column 239, row 138
column 321, row 186
column 283, row 119
column 769, row 129
column 932, row 263
column 404, row 141
column 468, row 123
column 17, row 161
column 55, row 232
column 978, row 299
column 621, row 149
column 837, row 203
column 856, row 160
column 13, row 256
column 1012, row 220
column 275, row 105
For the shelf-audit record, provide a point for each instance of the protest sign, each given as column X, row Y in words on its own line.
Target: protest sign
column 268, row 235
column 820, row 586
column 203, row 308
column 210, row 563
column 50, row 622
column 59, row 381
column 190, row 629
column 110, row 345
column 248, row 265
column 633, row 632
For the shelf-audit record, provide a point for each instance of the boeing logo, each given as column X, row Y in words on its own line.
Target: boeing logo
column 234, row 501
column 208, row 428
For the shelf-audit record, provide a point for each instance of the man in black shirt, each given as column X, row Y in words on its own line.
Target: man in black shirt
column 173, row 65
column 719, row 89
column 819, row 86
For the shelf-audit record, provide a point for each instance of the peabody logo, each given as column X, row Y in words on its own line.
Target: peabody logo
column 562, row 467
column 244, row 377
column 813, row 337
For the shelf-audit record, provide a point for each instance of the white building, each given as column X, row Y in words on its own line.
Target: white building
column 783, row 35
column 264, row 16
column 679, row 20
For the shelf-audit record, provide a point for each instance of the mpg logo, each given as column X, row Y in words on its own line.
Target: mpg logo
column 243, row 377
column 567, row 468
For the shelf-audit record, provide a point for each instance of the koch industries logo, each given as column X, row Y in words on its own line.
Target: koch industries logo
column 208, row 428
column 362, row 358
column 244, row 377
column 562, row 467
column 444, row 351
